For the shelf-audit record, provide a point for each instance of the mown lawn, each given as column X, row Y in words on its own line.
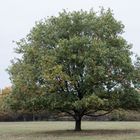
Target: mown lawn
column 64, row 131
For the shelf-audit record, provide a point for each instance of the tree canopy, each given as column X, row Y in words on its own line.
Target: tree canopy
column 77, row 63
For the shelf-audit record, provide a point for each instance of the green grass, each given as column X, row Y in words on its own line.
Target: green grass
column 64, row 131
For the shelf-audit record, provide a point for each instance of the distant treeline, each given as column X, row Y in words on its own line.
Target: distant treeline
column 117, row 115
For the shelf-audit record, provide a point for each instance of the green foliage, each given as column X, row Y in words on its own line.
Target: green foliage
column 76, row 63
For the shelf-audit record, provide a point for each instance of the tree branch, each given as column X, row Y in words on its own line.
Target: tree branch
column 98, row 115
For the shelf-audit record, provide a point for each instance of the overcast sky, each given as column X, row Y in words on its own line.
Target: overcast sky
column 17, row 17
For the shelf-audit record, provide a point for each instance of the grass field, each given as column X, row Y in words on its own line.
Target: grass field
column 64, row 131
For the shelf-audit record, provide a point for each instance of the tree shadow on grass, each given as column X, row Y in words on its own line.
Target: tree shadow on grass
column 64, row 133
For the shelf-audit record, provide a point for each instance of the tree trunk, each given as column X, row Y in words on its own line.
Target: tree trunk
column 24, row 118
column 78, row 123
column 33, row 117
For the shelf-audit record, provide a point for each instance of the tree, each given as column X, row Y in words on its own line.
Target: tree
column 6, row 91
column 25, row 91
column 77, row 63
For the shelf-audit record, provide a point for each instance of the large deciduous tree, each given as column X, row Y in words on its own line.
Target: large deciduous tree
column 77, row 63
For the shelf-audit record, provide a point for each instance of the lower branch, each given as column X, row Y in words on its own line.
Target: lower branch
column 98, row 115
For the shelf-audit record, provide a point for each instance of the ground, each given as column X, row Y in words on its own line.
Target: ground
column 64, row 131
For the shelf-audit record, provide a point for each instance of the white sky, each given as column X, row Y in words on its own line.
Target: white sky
column 17, row 17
